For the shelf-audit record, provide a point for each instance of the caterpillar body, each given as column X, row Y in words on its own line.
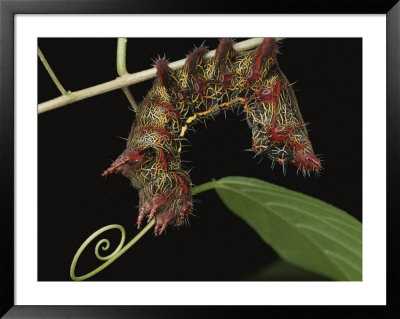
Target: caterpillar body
column 251, row 80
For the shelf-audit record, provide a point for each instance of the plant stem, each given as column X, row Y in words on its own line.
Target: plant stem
column 51, row 73
column 121, row 69
column 121, row 56
column 133, row 78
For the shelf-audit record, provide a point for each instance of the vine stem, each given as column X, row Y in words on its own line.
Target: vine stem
column 121, row 69
column 129, row 79
column 121, row 249
column 51, row 73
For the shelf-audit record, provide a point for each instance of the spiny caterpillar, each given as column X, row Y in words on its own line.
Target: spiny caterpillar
column 251, row 80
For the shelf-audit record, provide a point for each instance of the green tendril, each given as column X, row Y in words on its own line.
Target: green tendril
column 104, row 244
column 121, row 249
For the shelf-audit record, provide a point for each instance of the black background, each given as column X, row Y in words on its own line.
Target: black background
column 77, row 142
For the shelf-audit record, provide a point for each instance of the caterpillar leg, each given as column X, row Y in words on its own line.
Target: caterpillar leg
column 168, row 199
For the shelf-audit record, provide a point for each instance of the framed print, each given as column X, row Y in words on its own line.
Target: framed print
column 228, row 132
column 298, row 219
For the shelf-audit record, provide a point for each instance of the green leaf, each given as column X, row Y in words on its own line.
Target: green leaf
column 301, row 229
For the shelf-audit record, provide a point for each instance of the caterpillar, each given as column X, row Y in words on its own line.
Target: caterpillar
column 251, row 80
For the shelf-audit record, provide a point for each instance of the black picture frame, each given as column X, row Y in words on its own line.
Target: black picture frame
column 8, row 10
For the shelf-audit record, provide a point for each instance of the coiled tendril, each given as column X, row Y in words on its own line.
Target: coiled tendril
column 104, row 244
column 121, row 249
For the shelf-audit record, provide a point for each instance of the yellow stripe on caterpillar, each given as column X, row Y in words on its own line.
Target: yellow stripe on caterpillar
column 184, row 128
column 191, row 119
